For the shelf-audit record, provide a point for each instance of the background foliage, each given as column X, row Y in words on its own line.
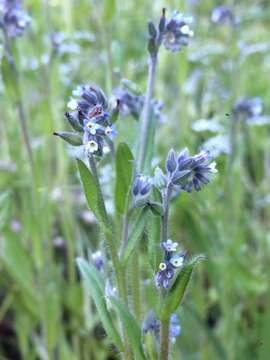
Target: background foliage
column 44, row 222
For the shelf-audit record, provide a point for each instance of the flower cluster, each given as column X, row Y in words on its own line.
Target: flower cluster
column 248, row 107
column 131, row 103
column 177, row 32
column 152, row 324
column 224, row 15
column 90, row 117
column 173, row 33
column 188, row 172
column 170, row 263
column 14, row 20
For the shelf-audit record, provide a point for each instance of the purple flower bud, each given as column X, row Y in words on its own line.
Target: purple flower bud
column 98, row 260
column 171, row 162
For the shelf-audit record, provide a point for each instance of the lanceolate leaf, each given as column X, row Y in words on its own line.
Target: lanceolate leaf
column 95, row 284
column 124, row 175
column 135, row 235
column 131, row 328
column 92, row 193
column 177, row 291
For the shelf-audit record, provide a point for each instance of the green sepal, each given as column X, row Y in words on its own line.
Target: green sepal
column 70, row 137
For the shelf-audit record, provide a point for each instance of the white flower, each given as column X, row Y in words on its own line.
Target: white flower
column 72, row 104
column 212, row 166
column 91, row 146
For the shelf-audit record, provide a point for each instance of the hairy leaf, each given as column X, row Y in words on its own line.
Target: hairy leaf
column 92, row 193
column 134, row 236
column 95, row 284
column 124, row 176
column 131, row 328
column 177, row 291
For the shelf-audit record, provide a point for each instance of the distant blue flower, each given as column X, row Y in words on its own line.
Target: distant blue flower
column 177, row 32
column 249, row 107
column 98, row 260
column 222, row 15
column 129, row 103
column 175, row 328
column 13, row 19
column 153, row 325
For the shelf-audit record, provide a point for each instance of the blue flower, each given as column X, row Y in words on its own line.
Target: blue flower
column 98, row 260
column 153, row 325
column 110, row 131
column 91, row 126
column 177, row 32
column 169, row 245
column 249, row 107
column 175, row 328
column 222, row 15
column 14, row 20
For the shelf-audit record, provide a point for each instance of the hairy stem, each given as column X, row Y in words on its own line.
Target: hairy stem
column 145, row 124
column 164, row 341
column 145, row 121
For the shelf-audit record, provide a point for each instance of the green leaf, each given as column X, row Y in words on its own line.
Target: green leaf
column 134, row 236
column 131, row 328
column 109, row 10
column 155, row 207
column 124, row 176
column 177, row 291
column 70, row 137
column 92, row 193
column 95, row 285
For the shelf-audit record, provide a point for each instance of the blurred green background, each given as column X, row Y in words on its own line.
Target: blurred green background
column 44, row 222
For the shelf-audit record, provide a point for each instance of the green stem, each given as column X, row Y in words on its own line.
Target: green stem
column 164, row 341
column 145, row 122
column 120, row 274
